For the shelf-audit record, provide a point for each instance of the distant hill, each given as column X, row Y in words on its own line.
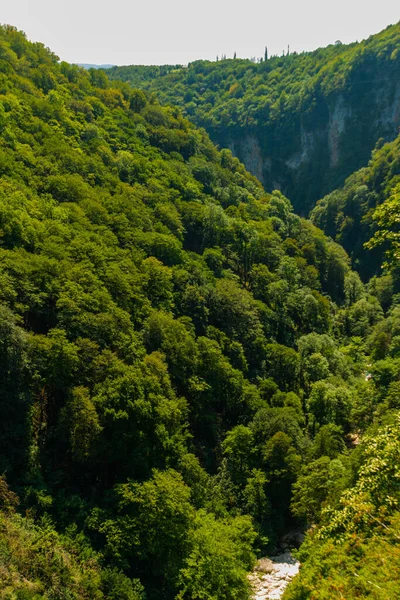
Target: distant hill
column 301, row 122
column 90, row 66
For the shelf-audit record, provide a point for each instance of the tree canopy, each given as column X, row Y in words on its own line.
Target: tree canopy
column 186, row 365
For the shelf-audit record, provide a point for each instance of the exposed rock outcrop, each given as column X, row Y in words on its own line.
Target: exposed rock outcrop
column 323, row 146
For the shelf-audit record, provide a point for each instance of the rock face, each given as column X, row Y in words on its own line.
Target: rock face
column 249, row 149
column 300, row 123
column 272, row 575
column 308, row 155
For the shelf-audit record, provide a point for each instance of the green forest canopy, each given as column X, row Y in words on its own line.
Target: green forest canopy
column 182, row 357
column 301, row 122
column 351, row 216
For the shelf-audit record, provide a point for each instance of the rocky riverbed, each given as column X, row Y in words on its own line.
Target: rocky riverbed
column 271, row 576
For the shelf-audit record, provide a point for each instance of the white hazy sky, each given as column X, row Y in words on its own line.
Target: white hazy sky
column 180, row 31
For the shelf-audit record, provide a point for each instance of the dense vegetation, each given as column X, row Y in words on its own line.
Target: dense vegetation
column 300, row 122
column 36, row 562
column 348, row 214
column 355, row 551
column 183, row 359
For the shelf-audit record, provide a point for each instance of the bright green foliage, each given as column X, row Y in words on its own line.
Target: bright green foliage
column 362, row 567
column 364, row 208
column 329, row 403
column 36, row 563
column 151, row 525
column 386, row 217
column 328, row 442
column 182, row 357
column 320, row 481
column 220, row 557
column 355, row 554
column 306, row 121
column 376, row 492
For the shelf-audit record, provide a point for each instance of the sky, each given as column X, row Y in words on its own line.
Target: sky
column 179, row 31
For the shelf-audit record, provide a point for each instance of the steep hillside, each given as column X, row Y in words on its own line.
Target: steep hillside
column 300, row 123
column 355, row 552
column 36, row 562
column 347, row 214
column 177, row 348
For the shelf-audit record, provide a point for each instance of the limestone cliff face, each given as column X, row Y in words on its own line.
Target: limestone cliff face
column 248, row 148
column 326, row 146
column 301, row 122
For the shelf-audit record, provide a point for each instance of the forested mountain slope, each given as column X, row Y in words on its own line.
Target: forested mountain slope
column 355, row 552
column 348, row 213
column 301, row 123
column 179, row 351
